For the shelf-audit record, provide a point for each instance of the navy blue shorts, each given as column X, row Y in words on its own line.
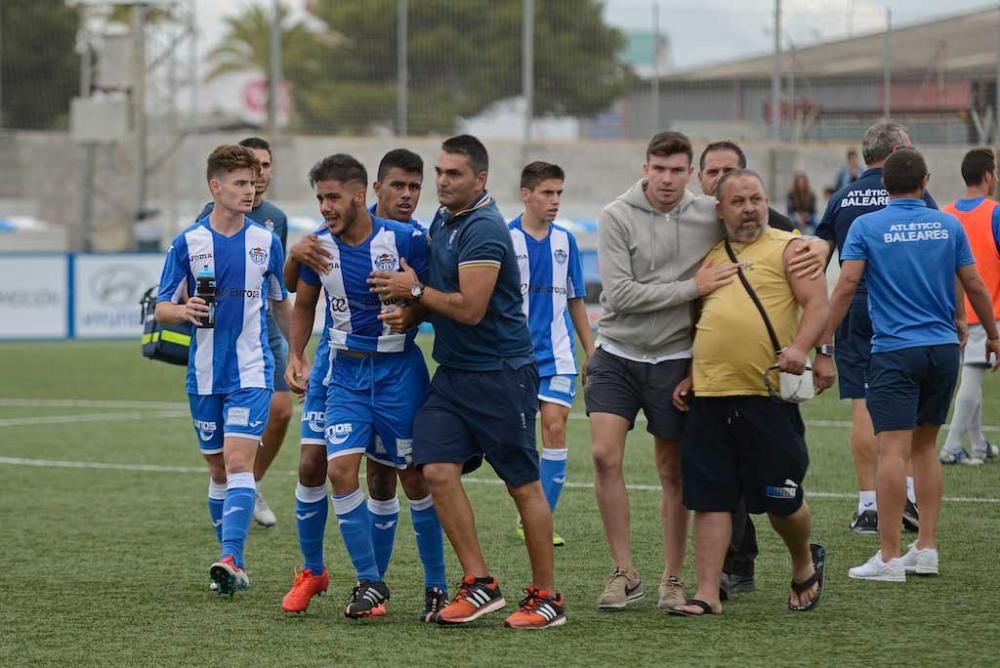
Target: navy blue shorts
column 912, row 386
column 853, row 349
column 743, row 447
column 469, row 415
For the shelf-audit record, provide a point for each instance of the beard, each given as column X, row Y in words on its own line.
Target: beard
column 746, row 234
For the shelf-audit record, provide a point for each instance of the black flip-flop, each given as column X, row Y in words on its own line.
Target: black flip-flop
column 706, row 609
column 819, row 568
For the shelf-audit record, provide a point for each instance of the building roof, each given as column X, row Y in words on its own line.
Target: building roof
column 964, row 44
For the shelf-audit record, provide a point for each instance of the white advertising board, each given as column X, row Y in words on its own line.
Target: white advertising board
column 107, row 290
column 34, row 297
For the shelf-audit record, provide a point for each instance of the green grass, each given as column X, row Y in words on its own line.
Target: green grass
column 109, row 567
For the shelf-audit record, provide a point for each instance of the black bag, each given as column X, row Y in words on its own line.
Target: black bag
column 167, row 343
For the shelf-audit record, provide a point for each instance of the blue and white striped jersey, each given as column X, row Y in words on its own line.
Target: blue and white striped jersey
column 551, row 274
column 248, row 271
column 351, row 307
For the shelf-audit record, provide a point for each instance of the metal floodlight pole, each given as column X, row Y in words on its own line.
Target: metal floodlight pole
column 887, row 67
column 656, row 66
column 402, row 69
column 274, row 75
column 528, row 65
column 138, row 115
column 776, row 76
column 996, row 103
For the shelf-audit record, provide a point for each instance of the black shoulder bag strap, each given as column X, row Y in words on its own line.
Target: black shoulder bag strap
column 755, row 298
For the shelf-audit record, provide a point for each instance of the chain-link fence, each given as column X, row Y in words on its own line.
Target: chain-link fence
column 360, row 74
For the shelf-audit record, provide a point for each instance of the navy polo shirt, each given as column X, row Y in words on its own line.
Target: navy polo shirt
column 865, row 195
column 478, row 235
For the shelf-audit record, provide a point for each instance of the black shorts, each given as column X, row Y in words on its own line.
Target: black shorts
column 750, row 447
column 853, row 349
column 621, row 387
column 912, row 386
column 469, row 415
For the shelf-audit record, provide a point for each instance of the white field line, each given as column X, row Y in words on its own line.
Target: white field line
column 91, row 417
column 155, row 468
column 177, row 406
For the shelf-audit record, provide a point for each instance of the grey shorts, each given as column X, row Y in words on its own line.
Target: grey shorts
column 621, row 387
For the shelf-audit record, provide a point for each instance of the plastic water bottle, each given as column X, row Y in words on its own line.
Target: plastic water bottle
column 205, row 289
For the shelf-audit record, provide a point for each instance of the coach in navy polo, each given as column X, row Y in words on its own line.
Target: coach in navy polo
column 483, row 397
column 853, row 341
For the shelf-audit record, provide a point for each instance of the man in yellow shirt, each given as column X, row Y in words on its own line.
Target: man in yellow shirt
column 739, row 441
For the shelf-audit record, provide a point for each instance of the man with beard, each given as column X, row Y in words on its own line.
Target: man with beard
column 740, row 442
column 651, row 242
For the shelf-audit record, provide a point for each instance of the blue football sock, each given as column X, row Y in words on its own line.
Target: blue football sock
column 216, row 499
column 352, row 516
column 311, row 509
column 237, row 512
column 430, row 541
column 552, row 473
column 384, row 518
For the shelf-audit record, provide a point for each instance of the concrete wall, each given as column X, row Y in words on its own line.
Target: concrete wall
column 44, row 169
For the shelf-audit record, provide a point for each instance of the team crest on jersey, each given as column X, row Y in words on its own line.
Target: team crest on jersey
column 560, row 255
column 385, row 262
column 269, row 224
column 258, row 255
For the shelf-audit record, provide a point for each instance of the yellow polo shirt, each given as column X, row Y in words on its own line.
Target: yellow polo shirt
column 731, row 347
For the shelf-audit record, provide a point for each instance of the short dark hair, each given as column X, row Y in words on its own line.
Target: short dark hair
column 904, row 171
column 724, row 145
column 538, row 171
column 852, row 153
column 471, row 148
column 665, row 144
column 735, row 174
column 257, row 143
column 402, row 158
column 338, row 167
column 976, row 164
column 228, row 158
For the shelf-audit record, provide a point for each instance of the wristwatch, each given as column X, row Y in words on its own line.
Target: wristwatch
column 417, row 291
column 825, row 349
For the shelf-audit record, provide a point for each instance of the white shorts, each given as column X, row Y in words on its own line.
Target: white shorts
column 975, row 347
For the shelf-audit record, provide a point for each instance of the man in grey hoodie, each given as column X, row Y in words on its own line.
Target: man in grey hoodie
column 651, row 242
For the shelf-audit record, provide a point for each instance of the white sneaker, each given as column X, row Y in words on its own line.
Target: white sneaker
column 960, row 457
column 990, row 451
column 920, row 562
column 882, row 571
column 262, row 512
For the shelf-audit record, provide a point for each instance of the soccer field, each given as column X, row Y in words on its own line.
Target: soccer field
column 106, row 545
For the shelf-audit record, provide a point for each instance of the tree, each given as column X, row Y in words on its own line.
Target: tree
column 39, row 69
column 247, row 45
column 463, row 56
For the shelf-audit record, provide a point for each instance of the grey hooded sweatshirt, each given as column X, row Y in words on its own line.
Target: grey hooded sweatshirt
column 648, row 261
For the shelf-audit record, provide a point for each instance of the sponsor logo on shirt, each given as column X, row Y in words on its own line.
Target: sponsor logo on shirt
column 199, row 256
column 258, row 255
